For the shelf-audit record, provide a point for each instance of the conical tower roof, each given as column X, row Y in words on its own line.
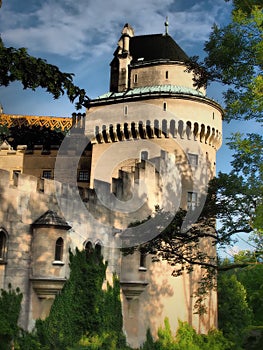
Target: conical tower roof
column 51, row 218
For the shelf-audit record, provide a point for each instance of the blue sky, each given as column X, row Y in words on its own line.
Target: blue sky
column 80, row 37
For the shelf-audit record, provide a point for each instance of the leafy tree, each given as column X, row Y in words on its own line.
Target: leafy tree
column 250, row 280
column 186, row 338
column 251, row 277
column 234, row 314
column 32, row 72
column 240, row 193
column 10, row 304
column 235, row 59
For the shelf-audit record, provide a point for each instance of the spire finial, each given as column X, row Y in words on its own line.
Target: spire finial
column 166, row 23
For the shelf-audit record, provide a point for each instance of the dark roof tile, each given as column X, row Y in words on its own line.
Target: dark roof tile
column 155, row 47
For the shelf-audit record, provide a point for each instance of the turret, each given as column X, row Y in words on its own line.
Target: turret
column 120, row 64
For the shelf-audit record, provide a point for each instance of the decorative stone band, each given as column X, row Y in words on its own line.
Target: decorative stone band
column 133, row 289
column 47, row 287
column 158, row 129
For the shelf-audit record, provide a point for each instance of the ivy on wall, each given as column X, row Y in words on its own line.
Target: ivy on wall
column 10, row 305
column 83, row 308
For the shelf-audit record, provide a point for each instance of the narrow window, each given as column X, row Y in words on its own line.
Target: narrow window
column 165, row 106
column 125, row 110
column 47, row 174
column 16, row 172
column 135, row 78
column 83, row 176
column 98, row 255
column 98, row 250
column 59, row 249
column 143, row 260
column 166, row 74
column 193, row 159
column 191, row 200
column 2, row 245
column 88, row 249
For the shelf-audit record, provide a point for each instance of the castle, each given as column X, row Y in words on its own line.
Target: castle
column 150, row 141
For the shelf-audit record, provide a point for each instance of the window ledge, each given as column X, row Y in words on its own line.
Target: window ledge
column 58, row 262
column 141, row 268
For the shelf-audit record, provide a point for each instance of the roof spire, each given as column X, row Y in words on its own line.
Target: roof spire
column 166, row 23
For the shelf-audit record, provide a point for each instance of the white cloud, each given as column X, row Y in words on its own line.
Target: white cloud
column 79, row 28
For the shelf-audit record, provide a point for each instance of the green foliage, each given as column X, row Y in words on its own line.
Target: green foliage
column 32, row 72
column 254, row 338
column 186, row 338
column 31, row 136
column 235, row 59
column 240, row 193
column 234, row 313
column 10, row 304
column 76, row 311
column 28, row 341
column 251, row 278
column 104, row 341
column 84, row 315
column 111, row 311
column 250, row 275
column 149, row 342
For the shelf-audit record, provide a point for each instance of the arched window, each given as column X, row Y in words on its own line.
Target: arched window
column 98, row 250
column 3, row 241
column 88, row 248
column 59, row 249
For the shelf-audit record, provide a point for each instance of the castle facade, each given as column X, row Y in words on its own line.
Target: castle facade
column 149, row 142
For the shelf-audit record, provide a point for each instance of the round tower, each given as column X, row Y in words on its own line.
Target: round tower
column 154, row 140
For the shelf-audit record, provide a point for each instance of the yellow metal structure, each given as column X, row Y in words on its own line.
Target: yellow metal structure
column 51, row 123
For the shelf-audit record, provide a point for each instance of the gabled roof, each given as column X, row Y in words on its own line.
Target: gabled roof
column 51, row 218
column 155, row 47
